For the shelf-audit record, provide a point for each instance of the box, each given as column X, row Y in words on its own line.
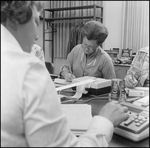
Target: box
column 126, row 52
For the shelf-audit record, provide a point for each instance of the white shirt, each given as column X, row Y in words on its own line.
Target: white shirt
column 31, row 113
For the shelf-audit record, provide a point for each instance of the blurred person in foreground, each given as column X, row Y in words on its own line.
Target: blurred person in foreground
column 88, row 58
column 31, row 113
column 138, row 73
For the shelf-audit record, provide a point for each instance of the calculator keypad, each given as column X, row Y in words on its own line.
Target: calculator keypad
column 135, row 123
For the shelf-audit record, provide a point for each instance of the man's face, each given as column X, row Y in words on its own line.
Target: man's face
column 89, row 46
column 27, row 33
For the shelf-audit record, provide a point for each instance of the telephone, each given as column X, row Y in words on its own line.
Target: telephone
column 136, row 127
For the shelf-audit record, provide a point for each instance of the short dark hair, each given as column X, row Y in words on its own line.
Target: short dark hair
column 95, row 30
column 18, row 11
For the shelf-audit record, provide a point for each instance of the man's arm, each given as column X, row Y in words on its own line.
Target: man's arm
column 66, row 69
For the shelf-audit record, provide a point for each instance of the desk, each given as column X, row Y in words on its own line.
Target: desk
column 117, row 141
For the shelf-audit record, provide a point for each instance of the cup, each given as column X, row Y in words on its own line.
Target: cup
column 118, row 93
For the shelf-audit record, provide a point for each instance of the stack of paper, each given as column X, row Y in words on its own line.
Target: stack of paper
column 88, row 81
column 78, row 116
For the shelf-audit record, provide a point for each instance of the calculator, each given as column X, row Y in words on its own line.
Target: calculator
column 136, row 127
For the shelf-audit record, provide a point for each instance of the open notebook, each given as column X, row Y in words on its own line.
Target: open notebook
column 78, row 116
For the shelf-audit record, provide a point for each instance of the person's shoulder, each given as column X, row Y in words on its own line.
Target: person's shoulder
column 28, row 60
column 105, row 54
column 35, row 68
column 76, row 49
column 27, row 66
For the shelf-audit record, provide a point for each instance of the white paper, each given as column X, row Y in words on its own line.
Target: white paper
column 144, row 100
column 78, row 115
column 74, row 84
column 61, row 81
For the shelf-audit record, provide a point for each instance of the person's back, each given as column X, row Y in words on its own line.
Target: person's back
column 30, row 107
column 15, row 67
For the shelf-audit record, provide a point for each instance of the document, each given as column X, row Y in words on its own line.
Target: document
column 75, row 84
column 61, row 81
column 79, row 116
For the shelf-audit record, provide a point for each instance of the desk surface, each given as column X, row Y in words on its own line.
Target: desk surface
column 117, row 140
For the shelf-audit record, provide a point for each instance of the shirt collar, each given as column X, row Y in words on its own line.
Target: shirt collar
column 7, row 36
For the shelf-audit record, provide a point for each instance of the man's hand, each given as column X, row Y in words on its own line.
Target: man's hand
column 116, row 113
column 130, row 81
column 69, row 77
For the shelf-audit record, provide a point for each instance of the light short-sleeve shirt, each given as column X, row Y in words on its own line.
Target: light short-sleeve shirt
column 102, row 66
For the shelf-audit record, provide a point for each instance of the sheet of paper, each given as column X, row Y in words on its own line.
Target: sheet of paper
column 74, row 84
column 143, row 100
column 78, row 116
column 61, row 81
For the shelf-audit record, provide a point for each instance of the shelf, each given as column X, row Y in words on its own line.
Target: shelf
column 69, row 18
column 74, row 8
column 69, row 21
column 113, row 52
column 54, row 20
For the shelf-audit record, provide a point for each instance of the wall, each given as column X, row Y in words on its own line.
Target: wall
column 113, row 21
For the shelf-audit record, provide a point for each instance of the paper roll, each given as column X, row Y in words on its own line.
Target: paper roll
column 89, row 81
column 77, row 95
column 80, row 89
